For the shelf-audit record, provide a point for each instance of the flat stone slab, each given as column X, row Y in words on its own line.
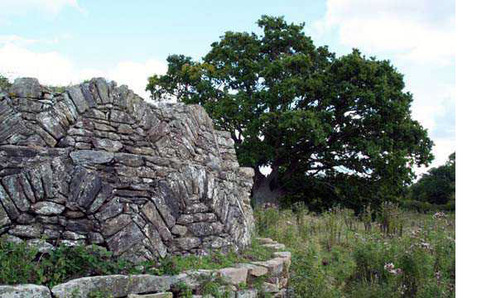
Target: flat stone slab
column 156, row 295
column 116, row 285
column 24, row 291
column 234, row 276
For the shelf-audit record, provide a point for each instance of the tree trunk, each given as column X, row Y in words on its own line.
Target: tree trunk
column 266, row 189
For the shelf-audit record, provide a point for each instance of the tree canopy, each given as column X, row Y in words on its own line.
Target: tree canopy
column 4, row 83
column 437, row 186
column 333, row 129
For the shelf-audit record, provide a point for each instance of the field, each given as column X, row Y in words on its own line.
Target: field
column 337, row 254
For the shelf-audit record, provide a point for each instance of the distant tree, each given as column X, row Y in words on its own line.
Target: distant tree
column 437, row 186
column 322, row 124
column 4, row 83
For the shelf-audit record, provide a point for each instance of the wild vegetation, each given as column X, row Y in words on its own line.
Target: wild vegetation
column 338, row 254
column 22, row 264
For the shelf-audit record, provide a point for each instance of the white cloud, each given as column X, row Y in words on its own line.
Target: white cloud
column 418, row 30
column 135, row 74
column 418, row 36
column 16, row 7
column 49, row 8
column 53, row 68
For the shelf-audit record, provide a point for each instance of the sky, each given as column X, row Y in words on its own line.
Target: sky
column 67, row 41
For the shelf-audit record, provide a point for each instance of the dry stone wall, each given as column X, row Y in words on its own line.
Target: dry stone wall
column 96, row 164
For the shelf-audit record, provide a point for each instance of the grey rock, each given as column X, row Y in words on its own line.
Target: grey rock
column 119, row 116
column 188, row 243
column 26, row 231
column 108, row 145
column 113, row 225
column 140, row 179
column 24, row 291
column 40, row 245
column 91, row 157
column 68, row 235
column 47, row 208
column 26, row 87
column 179, row 230
column 206, row 229
column 234, row 276
column 76, row 95
column 4, row 218
column 15, row 190
column 125, row 239
column 116, row 285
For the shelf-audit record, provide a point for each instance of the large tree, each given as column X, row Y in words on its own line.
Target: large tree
column 311, row 118
column 437, row 186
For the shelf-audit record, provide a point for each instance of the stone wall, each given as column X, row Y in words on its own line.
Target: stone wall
column 96, row 164
column 264, row 278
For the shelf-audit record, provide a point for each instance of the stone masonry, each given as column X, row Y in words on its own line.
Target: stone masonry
column 96, row 164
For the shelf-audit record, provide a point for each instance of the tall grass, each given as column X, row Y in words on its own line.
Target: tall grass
column 337, row 254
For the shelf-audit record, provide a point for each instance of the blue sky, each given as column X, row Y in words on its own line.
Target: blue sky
column 66, row 41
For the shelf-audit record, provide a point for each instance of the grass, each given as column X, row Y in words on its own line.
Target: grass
column 21, row 264
column 334, row 254
column 337, row 254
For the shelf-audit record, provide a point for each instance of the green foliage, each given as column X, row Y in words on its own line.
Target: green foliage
column 339, row 255
column 22, row 264
column 437, row 186
column 338, row 127
column 4, row 83
column 182, row 290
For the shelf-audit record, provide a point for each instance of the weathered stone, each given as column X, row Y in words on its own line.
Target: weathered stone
column 108, row 145
column 89, row 188
column 96, row 238
column 150, row 211
column 179, row 230
column 24, row 291
column 234, row 276
column 155, row 295
column 47, row 208
column 102, row 90
column 254, row 270
column 103, row 127
column 113, row 225
column 26, row 87
column 91, row 157
column 275, row 266
column 4, row 218
column 28, row 191
column 270, row 287
column 111, row 209
column 40, row 245
column 276, row 246
column 206, row 229
column 76, row 95
column 68, row 235
column 14, row 188
column 250, row 293
column 115, row 285
column 129, row 173
column 156, row 240
column 119, row 116
column 27, row 231
column 187, row 243
column 129, row 159
column 125, row 239
column 82, row 226
column 25, row 219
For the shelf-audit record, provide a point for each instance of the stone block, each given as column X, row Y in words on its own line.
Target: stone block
column 24, row 291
